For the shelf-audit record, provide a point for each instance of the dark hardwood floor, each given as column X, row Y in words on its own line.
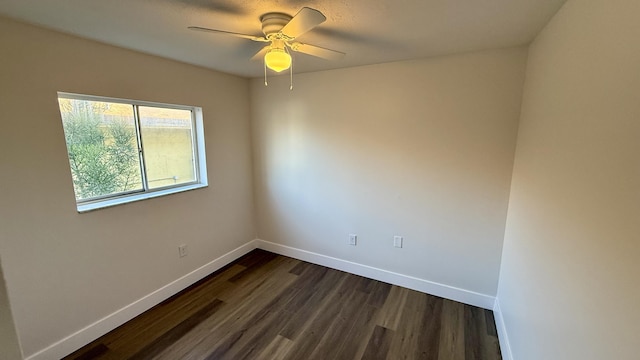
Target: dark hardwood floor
column 267, row 306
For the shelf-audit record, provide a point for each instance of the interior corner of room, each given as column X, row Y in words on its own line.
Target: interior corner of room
column 502, row 178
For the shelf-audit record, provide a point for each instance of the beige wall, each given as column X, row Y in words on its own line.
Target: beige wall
column 569, row 279
column 9, row 343
column 421, row 149
column 66, row 270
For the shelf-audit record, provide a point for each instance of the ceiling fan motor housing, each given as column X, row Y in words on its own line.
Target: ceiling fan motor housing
column 272, row 23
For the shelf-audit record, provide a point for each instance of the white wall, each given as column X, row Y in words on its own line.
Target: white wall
column 9, row 342
column 66, row 270
column 422, row 149
column 569, row 279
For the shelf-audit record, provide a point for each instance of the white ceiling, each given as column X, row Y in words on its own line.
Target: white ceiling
column 369, row 31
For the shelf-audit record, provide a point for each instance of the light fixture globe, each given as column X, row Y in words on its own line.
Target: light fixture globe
column 277, row 59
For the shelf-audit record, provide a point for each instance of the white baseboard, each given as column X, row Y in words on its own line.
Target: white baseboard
column 426, row 286
column 84, row 336
column 505, row 347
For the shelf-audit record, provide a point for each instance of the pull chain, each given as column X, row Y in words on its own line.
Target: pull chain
column 291, row 76
column 290, row 70
column 265, row 73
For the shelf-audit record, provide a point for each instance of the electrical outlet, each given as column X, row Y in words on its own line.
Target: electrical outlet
column 353, row 239
column 397, row 241
column 182, row 250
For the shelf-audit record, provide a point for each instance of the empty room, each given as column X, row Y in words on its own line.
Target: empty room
column 217, row 179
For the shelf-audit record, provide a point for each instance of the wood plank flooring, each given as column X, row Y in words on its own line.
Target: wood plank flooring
column 270, row 307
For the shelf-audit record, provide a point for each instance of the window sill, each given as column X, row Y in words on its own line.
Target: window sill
column 83, row 208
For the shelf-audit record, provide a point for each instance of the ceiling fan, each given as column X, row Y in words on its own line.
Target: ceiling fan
column 280, row 31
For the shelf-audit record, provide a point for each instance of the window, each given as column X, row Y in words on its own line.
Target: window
column 122, row 150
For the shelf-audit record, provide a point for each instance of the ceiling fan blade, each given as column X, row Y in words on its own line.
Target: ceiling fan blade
column 305, row 20
column 260, row 54
column 317, row 51
column 244, row 36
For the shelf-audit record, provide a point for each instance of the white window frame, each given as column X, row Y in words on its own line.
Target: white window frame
column 146, row 193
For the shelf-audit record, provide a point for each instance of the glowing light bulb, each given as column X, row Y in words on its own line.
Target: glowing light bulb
column 277, row 59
